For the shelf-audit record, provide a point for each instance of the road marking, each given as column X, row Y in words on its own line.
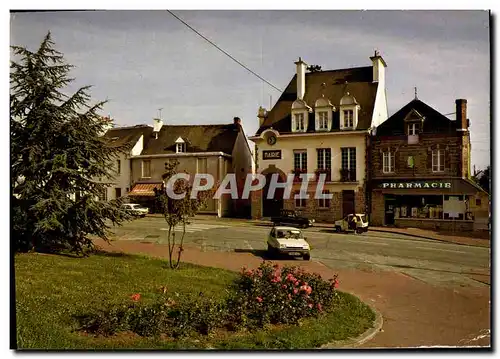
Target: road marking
column 441, row 250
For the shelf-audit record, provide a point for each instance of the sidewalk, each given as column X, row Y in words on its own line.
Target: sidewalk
column 414, row 313
column 476, row 238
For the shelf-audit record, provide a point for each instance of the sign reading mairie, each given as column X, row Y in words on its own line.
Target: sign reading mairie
column 271, row 155
column 415, row 185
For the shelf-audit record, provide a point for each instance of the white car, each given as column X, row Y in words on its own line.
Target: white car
column 288, row 240
column 136, row 209
column 352, row 222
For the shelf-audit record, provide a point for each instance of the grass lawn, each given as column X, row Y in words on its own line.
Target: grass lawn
column 51, row 289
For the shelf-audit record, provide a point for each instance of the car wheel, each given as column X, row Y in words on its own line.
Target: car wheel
column 359, row 231
column 338, row 229
column 307, row 257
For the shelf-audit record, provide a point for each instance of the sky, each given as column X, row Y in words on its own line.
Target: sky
column 142, row 61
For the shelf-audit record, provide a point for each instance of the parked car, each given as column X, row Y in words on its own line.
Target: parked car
column 292, row 218
column 352, row 222
column 136, row 209
column 289, row 241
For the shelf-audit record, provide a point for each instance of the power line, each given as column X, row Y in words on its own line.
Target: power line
column 224, row 52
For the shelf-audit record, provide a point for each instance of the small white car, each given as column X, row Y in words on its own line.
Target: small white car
column 352, row 222
column 136, row 209
column 288, row 240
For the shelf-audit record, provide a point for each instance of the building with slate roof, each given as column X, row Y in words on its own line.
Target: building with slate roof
column 216, row 149
column 420, row 171
column 320, row 125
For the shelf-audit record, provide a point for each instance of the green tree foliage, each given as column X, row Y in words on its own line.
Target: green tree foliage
column 177, row 212
column 57, row 156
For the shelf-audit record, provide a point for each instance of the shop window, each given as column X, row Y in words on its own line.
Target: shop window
column 388, row 162
column 438, row 160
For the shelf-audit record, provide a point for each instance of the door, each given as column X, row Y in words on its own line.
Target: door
column 273, row 206
column 347, row 202
column 390, row 206
column 118, row 192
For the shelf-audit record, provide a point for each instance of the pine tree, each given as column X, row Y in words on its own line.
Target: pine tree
column 57, row 156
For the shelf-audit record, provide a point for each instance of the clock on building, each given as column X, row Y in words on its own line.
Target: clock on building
column 271, row 140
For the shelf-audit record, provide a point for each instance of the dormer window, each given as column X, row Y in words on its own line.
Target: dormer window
column 349, row 109
column 180, row 145
column 299, row 122
column 300, row 113
column 413, row 129
column 323, row 114
column 348, row 119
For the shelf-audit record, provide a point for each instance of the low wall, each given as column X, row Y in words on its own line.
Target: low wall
column 435, row 224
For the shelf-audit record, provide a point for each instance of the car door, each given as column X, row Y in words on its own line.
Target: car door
column 271, row 239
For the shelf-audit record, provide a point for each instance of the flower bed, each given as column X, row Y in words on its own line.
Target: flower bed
column 268, row 295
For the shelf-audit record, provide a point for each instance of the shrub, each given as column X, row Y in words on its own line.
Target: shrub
column 267, row 295
column 275, row 295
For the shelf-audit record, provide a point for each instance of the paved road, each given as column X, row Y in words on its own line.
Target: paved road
column 442, row 264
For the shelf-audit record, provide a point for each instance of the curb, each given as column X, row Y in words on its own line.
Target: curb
column 362, row 338
column 426, row 237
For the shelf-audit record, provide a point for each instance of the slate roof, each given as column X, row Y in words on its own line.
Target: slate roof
column 120, row 136
column 357, row 81
column 434, row 121
column 198, row 138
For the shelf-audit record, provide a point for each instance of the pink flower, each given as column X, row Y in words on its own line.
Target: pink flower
column 320, row 308
column 289, row 296
column 335, row 283
column 295, row 291
column 259, row 299
column 135, row 297
column 296, row 283
column 284, row 286
column 310, row 305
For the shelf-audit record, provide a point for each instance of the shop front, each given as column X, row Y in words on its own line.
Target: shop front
column 445, row 204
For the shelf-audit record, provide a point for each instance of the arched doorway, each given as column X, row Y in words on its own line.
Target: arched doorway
column 273, row 206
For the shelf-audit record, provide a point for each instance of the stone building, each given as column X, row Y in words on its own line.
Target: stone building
column 420, row 170
column 320, row 125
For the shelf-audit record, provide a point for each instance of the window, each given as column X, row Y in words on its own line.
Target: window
column 413, row 129
column 146, row 168
column 438, row 161
column 300, row 160
column 181, row 147
column 126, row 190
column 201, row 165
column 349, row 158
column 300, row 202
column 388, row 162
column 299, row 122
column 103, row 194
column 324, row 202
column 118, row 192
column 118, row 166
column 478, row 201
column 323, row 120
column 324, row 158
column 348, row 119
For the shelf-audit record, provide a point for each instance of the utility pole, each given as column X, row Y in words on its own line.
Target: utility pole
column 159, row 112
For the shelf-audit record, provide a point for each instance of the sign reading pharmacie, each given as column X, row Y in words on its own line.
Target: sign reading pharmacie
column 415, row 185
column 271, row 155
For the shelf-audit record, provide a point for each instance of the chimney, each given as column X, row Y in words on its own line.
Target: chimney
column 262, row 115
column 301, row 78
column 462, row 122
column 237, row 121
column 379, row 66
column 157, row 125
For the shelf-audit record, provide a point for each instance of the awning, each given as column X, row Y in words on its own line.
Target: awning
column 144, row 189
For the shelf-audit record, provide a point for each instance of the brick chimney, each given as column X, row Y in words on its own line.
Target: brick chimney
column 237, row 121
column 462, row 122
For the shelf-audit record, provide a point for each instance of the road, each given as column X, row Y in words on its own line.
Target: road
column 436, row 263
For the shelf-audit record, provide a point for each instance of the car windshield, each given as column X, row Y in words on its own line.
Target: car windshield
column 289, row 234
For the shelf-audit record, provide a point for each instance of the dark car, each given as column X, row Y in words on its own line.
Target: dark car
column 292, row 218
